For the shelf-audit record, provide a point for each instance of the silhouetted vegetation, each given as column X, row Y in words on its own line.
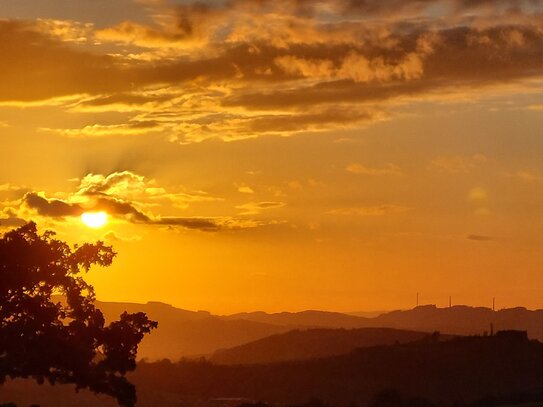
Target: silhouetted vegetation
column 62, row 342
column 460, row 370
column 482, row 371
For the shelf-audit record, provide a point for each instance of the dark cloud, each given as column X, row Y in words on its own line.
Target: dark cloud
column 36, row 66
column 204, row 224
column 123, row 99
column 458, row 57
column 319, row 63
column 100, row 201
column 54, row 208
column 12, row 222
column 57, row 208
column 465, row 54
column 115, row 206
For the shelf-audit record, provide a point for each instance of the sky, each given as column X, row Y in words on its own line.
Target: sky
column 282, row 155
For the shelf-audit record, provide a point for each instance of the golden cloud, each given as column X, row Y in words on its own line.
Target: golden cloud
column 378, row 210
column 262, row 67
column 389, row 169
column 125, row 195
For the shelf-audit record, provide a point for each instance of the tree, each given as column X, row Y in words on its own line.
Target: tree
column 62, row 341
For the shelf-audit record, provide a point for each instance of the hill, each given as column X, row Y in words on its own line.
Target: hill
column 311, row 344
column 459, row 372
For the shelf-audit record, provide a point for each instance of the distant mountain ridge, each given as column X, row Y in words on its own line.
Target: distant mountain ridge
column 183, row 333
column 310, row 318
column 464, row 320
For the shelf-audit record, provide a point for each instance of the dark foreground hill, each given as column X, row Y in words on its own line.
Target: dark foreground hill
column 448, row 373
column 459, row 370
column 312, row 344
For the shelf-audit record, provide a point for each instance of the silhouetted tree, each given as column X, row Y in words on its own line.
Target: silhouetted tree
column 62, row 341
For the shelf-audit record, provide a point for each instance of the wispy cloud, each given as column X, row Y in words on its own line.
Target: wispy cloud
column 389, row 169
column 253, row 208
column 480, row 238
column 378, row 210
column 456, row 164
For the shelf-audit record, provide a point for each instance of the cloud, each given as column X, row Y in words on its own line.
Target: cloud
column 480, row 238
column 129, row 185
column 456, row 164
column 123, row 102
column 526, row 175
column 138, row 34
column 31, row 69
column 245, row 189
column 119, row 207
column 58, row 209
column 239, row 126
column 13, row 222
column 130, row 197
column 111, row 236
column 239, row 69
column 64, row 30
column 55, row 208
column 99, row 130
column 389, row 169
column 379, row 210
column 212, row 224
column 9, row 218
column 253, row 208
column 477, row 194
column 11, row 192
column 122, row 183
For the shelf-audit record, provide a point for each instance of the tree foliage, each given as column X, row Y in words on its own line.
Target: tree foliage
column 62, row 341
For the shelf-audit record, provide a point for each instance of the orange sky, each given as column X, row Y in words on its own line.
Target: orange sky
column 282, row 155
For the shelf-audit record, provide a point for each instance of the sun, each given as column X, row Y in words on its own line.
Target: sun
column 94, row 220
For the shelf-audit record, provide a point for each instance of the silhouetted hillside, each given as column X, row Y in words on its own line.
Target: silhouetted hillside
column 458, row 371
column 462, row 369
column 311, row 344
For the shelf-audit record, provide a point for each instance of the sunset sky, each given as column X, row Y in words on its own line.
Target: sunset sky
column 282, row 154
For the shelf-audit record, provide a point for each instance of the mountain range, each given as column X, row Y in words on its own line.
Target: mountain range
column 183, row 333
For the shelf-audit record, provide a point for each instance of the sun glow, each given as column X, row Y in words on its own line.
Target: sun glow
column 94, row 220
